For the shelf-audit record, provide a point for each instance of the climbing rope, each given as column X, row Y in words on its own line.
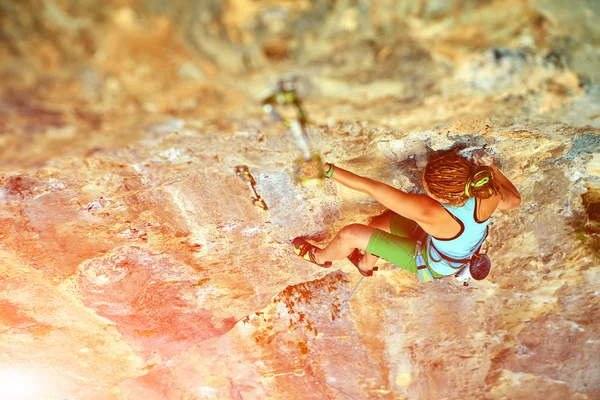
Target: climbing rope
column 285, row 95
column 331, row 386
column 302, row 371
column 331, row 325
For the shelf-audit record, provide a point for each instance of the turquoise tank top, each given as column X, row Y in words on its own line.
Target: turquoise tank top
column 463, row 245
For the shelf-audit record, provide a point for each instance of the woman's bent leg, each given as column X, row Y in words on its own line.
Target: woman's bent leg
column 380, row 222
column 358, row 236
column 354, row 236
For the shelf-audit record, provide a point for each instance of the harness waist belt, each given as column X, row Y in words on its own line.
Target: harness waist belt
column 448, row 258
column 464, row 260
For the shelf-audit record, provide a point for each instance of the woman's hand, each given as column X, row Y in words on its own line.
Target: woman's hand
column 309, row 170
column 483, row 157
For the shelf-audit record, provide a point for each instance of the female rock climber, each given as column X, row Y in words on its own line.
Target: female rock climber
column 461, row 195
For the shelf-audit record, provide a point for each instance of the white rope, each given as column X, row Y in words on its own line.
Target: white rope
column 302, row 372
column 332, row 323
column 331, row 386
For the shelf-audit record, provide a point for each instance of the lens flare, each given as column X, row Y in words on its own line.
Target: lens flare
column 16, row 384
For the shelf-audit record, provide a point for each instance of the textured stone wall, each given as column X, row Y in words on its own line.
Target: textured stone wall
column 133, row 264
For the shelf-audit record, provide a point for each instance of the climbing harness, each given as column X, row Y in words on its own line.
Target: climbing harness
column 285, row 94
column 424, row 273
column 242, row 172
column 302, row 371
column 477, row 266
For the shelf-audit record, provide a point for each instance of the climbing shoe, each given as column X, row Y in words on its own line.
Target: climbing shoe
column 307, row 252
column 355, row 258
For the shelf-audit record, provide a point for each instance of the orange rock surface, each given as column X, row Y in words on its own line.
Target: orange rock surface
column 133, row 264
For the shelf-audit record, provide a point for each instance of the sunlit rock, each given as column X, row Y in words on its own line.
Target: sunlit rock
column 134, row 263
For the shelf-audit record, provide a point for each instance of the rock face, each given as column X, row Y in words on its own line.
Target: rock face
column 133, row 264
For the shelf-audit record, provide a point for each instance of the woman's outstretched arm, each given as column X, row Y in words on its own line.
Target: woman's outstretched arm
column 418, row 207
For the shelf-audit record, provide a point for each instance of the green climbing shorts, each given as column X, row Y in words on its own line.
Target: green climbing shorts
column 398, row 247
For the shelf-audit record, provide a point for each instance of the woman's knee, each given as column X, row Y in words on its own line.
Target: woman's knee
column 382, row 221
column 354, row 232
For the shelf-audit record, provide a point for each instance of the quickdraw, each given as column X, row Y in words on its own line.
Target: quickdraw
column 242, row 172
column 285, row 94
